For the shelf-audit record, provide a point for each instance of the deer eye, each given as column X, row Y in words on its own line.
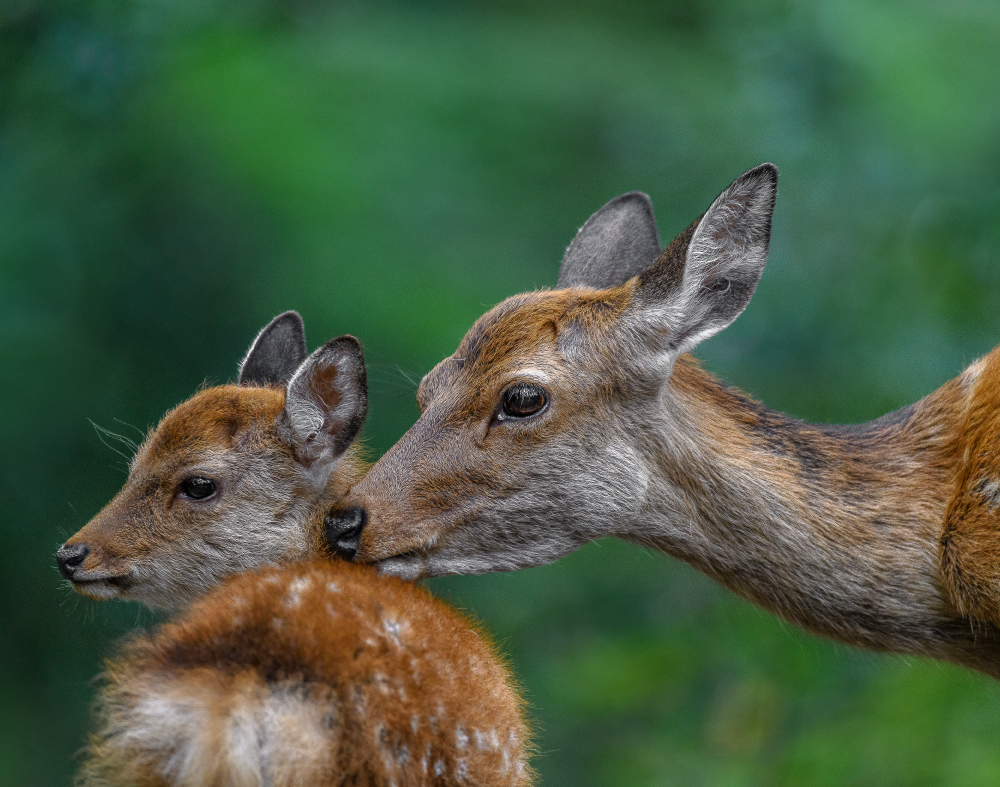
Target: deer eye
column 198, row 487
column 522, row 400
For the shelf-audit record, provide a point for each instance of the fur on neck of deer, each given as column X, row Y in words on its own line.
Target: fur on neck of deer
column 834, row 528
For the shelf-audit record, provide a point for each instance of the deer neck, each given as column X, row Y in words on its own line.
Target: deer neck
column 835, row 529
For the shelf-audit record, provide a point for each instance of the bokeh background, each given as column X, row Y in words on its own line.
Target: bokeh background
column 175, row 172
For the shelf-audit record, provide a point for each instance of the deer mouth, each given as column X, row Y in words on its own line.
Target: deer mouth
column 101, row 585
column 411, row 565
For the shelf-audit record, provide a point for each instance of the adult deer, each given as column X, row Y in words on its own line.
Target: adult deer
column 311, row 671
column 573, row 414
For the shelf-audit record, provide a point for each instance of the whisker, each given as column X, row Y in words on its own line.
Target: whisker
column 142, row 434
column 103, row 433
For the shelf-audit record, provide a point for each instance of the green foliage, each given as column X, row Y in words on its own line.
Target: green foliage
column 173, row 174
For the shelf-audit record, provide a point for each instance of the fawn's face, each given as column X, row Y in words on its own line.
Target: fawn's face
column 527, row 445
column 236, row 477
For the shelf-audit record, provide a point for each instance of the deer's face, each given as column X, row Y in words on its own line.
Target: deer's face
column 213, row 491
column 237, row 477
column 530, row 440
column 521, row 453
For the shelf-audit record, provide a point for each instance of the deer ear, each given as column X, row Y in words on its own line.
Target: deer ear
column 705, row 277
column 327, row 401
column 617, row 243
column 276, row 353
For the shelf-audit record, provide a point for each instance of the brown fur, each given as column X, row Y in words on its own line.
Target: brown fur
column 836, row 529
column 306, row 674
column 232, row 432
column 378, row 682
column 970, row 545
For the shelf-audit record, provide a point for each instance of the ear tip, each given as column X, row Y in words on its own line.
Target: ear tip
column 632, row 201
column 765, row 171
column 290, row 317
column 349, row 345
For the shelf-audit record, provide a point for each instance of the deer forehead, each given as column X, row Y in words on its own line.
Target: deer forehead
column 208, row 423
column 520, row 337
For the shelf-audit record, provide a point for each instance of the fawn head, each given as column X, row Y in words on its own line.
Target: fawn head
column 236, row 477
column 526, row 445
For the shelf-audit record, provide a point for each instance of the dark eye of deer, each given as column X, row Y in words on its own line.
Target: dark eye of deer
column 198, row 487
column 522, row 400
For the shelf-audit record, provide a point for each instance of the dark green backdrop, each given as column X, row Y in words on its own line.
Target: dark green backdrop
column 175, row 172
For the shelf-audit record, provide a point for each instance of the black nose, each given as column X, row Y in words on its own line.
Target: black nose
column 70, row 557
column 343, row 530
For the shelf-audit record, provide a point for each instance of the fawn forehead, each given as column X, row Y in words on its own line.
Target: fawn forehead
column 210, row 420
column 524, row 331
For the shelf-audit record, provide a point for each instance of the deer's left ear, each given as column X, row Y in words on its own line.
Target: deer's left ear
column 615, row 244
column 276, row 353
column 704, row 279
column 327, row 401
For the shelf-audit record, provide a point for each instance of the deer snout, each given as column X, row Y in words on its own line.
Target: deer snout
column 343, row 529
column 70, row 557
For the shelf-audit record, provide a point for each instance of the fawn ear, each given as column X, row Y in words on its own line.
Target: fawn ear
column 276, row 353
column 327, row 401
column 617, row 243
column 705, row 277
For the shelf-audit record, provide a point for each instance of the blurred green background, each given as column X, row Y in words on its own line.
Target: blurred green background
column 173, row 173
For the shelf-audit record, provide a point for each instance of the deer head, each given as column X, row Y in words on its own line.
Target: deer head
column 526, row 445
column 236, row 477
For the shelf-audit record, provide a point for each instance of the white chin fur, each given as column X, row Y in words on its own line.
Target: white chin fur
column 409, row 567
column 96, row 591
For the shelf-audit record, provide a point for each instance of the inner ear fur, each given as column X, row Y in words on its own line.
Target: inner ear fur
column 705, row 278
column 327, row 401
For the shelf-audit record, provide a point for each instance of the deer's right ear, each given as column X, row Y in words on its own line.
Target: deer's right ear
column 276, row 353
column 616, row 243
column 327, row 401
column 704, row 279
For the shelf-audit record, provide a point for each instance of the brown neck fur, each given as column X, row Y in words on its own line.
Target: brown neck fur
column 836, row 529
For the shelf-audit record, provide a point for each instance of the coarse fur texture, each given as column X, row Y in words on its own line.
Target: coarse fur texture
column 278, row 461
column 304, row 674
column 321, row 674
column 883, row 535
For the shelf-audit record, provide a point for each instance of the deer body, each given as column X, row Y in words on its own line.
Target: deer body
column 320, row 674
column 299, row 669
column 569, row 415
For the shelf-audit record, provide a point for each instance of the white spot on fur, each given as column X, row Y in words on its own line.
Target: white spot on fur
column 990, row 489
column 295, row 590
column 461, row 739
column 392, row 629
column 439, row 768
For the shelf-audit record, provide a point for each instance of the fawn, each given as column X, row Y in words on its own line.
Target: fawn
column 310, row 670
column 573, row 414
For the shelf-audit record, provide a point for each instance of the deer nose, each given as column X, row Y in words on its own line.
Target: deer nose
column 343, row 530
column 70, row 557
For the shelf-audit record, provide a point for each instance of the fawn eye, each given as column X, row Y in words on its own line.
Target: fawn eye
column 522, row 400
column 198, row 487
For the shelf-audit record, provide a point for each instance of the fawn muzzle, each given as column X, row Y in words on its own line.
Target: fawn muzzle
column 70, row 557
column 343, row 529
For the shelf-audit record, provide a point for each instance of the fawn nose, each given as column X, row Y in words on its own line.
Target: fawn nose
column 343, row 530
column 70, row 557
